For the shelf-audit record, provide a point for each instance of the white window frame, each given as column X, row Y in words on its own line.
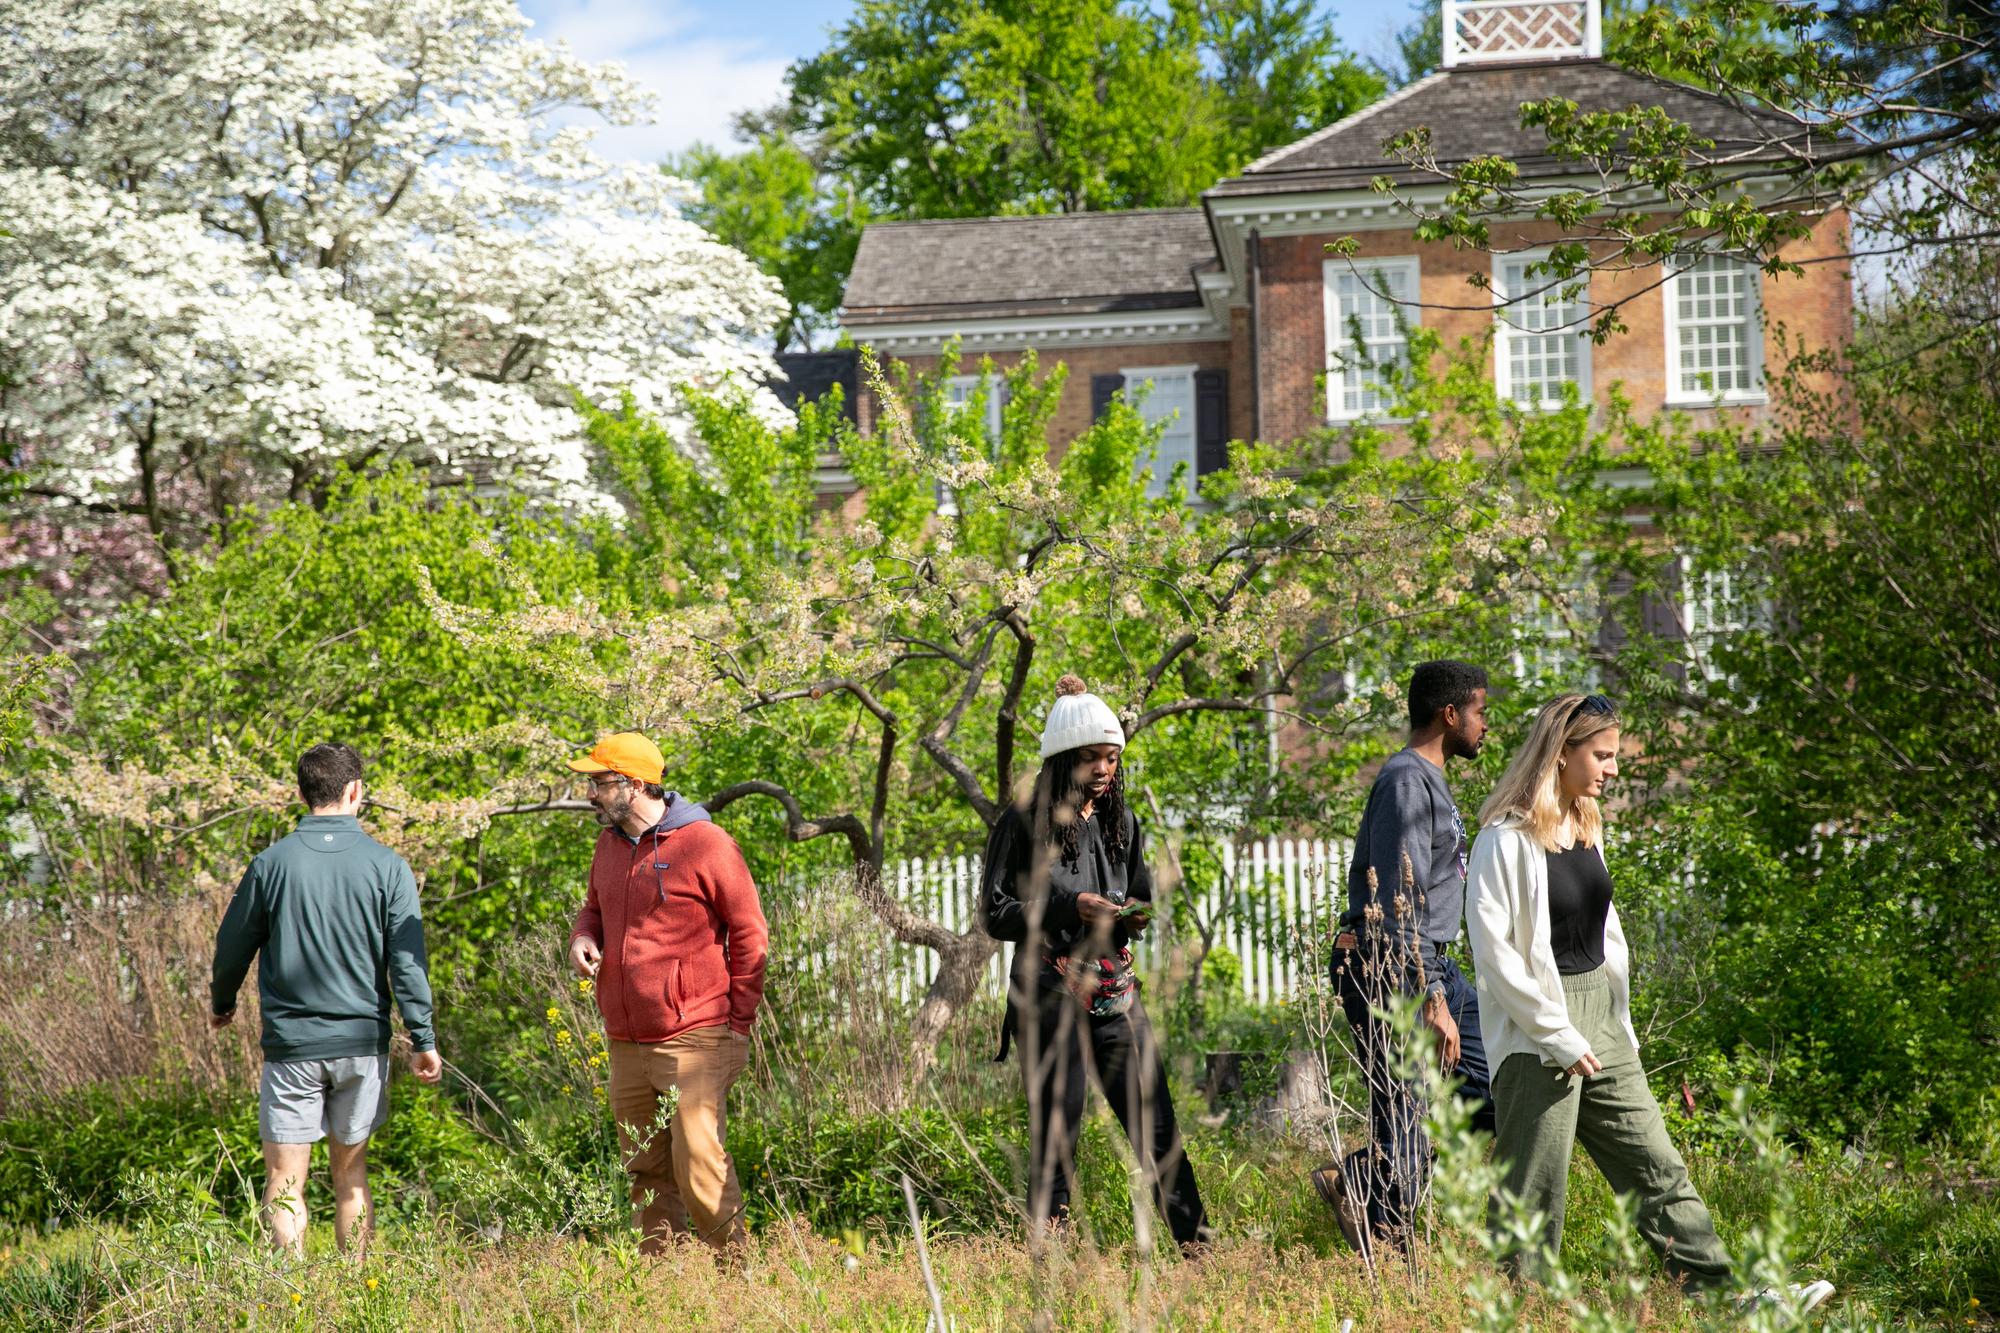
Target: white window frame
column 1182, row 422
column 1542, row 636
column 1539, row 288
column 1703, row 594
column 1676, row 395
column 968, row 385
column 1335, row 321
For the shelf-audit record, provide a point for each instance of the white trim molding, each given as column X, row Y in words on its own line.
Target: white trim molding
column 1045, row 333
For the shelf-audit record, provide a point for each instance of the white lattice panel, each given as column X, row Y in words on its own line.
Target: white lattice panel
column 1479, row 31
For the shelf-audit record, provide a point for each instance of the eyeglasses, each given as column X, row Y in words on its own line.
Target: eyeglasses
column 599, row 784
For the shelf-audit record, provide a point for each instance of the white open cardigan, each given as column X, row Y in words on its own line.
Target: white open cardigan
column 1521, row 1005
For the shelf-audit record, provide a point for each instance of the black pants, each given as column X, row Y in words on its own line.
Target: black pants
column 1062, row 1048
column 1390, row 1173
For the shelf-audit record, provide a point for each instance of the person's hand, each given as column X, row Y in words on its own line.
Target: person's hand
column 1097, row 912
column 219, row 1021
column 428, row 1066
column 584, row 956
column 1588, row 1065
column 1136, row 923
column 1437, row 1017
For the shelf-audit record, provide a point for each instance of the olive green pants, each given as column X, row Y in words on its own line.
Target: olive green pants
column 1541, row 1114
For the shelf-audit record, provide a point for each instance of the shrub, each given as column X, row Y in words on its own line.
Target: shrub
column 78, row 1155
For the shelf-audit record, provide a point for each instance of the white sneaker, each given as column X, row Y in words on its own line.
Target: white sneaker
column 1805, row 1296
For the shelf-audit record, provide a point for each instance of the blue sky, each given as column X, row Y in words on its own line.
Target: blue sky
column 708, row 59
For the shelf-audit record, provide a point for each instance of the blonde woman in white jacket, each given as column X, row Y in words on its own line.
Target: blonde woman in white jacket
column 1555, row 987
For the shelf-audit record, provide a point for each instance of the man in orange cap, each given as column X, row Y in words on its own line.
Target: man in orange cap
column 674, row 935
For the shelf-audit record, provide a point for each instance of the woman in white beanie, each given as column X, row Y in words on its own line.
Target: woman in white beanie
column 1066, row 881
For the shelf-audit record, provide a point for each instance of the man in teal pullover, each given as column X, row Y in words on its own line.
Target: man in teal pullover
column 334, row 915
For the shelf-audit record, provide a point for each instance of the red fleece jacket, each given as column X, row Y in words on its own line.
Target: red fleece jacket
column 683, row 934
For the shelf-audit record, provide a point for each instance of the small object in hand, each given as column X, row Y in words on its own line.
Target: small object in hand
column 1137, row 907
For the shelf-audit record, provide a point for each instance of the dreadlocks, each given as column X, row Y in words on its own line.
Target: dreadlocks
column 1058, row 799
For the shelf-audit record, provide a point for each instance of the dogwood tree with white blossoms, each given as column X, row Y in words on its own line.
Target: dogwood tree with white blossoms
column 241, row 240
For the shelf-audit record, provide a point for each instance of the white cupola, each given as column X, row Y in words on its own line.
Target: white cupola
column 1485, row 32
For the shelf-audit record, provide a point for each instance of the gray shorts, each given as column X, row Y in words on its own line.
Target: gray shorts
column 303, row 1101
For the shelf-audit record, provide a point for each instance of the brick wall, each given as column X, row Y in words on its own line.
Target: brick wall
column 1815, row 310
column 1072, row 416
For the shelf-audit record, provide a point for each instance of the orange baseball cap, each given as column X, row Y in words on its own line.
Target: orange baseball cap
column 628, row 754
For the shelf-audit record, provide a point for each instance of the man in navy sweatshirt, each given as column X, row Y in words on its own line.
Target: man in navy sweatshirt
column 1405, row 905
column 331, row 916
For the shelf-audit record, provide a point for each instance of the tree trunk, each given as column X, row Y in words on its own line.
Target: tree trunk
column 961, row 965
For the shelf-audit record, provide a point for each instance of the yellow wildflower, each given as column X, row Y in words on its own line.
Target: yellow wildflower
column 583, row 985
column 296, row 1298
column 597, row 1059
column 567, row 1090
column 372, row 1284
column 562, row 1036
column 554, row 1014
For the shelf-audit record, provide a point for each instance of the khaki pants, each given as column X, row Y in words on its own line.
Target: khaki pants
column 683, row 1182
column 1543, row 1113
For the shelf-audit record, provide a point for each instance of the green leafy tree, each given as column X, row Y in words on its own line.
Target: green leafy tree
column 918, row 109
column 876, row 675
column 168, row 757
column 776, row 202
column 1278, row 69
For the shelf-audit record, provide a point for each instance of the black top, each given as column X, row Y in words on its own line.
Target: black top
column 1008, row 890
column 1579, row 902
column 1058, row 959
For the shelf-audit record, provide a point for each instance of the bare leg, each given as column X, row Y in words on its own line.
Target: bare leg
column 353, row 1205
column 285, row 1166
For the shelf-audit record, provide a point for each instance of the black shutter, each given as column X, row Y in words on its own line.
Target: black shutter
column 1664, row 614
column 1614, row 605
column 1661, row 610
column 1657, row 613
column 1102, row 387
column 1211, row 421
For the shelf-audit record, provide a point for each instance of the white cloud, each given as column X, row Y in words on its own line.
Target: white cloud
column 700, row 82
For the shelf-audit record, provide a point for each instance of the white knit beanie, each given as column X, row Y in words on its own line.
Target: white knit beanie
column 1078, row 718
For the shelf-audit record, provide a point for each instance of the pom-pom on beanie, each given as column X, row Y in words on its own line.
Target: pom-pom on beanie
column 1078, row 718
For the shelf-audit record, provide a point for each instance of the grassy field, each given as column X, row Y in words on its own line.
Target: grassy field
column 1908, row 1249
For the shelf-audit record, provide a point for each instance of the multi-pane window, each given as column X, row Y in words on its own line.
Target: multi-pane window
column 961, row 397
column 1715, row 339
column 1542, row 344
column 1164, row 397
column 1368, row 316
column 961, row 393
column 1552, row 635
column 1716, row 605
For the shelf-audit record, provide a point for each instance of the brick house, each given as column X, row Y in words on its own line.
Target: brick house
column 1242, row 322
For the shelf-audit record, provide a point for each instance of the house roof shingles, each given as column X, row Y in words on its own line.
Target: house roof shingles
column 1087, row 263
column 1052, row 263
column 1475, row 111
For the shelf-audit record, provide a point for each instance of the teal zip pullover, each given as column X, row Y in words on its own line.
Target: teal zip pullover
column 334, row 915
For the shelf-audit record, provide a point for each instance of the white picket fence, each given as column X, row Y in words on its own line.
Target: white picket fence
column 1265, row 895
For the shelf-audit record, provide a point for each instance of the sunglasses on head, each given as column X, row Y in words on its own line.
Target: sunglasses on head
column 1594, row 703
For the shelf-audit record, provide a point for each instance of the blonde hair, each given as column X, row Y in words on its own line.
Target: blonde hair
column 1530, row 790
